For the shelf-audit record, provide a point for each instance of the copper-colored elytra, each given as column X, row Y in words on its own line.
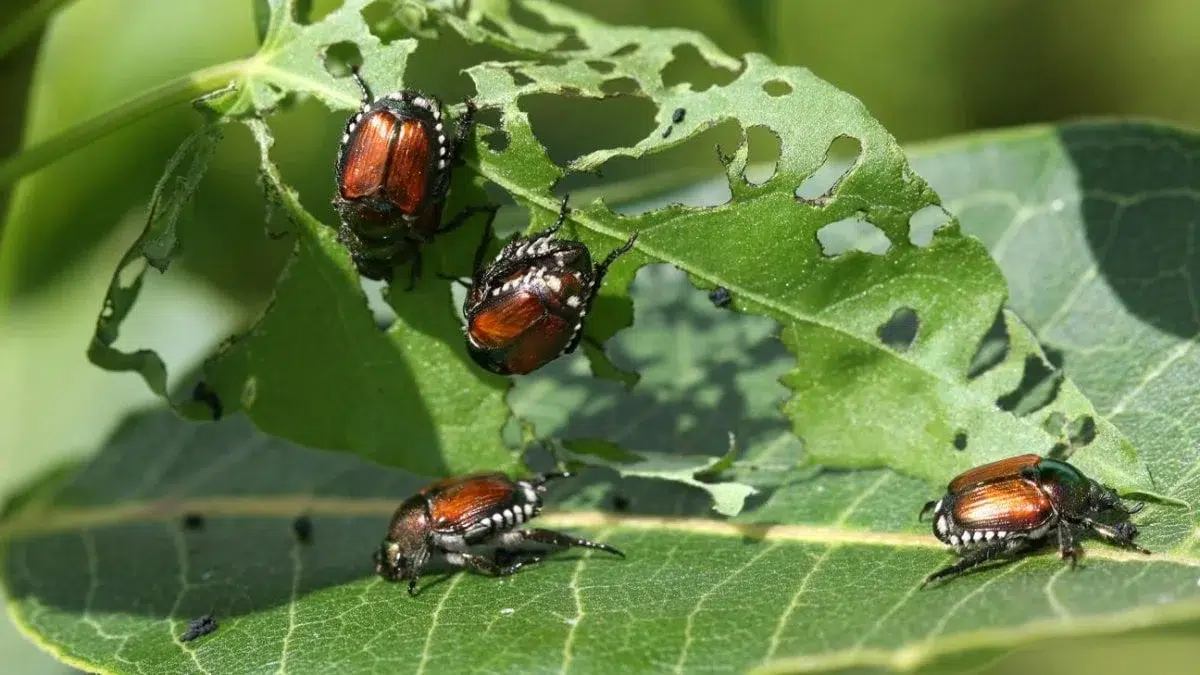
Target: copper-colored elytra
column 986, row 473
column 505, row 321
column 538, row 345
column 465, row 499
column 408, row 171
column 388, row 157
column 366, row 156
column 1002, row 505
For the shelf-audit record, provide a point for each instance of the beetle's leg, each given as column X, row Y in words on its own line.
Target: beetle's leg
column 560, row 540
column 594, row 287
column 977, row 557
column 1066, row 543
column 415, row 271
column 465, row 124
column 481, row 250
column 1121, row 534
column 602, row 268
column 460, row 218
column 926, row 509
column 482, row 565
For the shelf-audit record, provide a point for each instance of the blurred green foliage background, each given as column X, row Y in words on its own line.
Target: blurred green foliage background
column 926, row 68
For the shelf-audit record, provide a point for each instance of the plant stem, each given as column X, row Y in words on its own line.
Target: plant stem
column 178, row 90
column 18, row 30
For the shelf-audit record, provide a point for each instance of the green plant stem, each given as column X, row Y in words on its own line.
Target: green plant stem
column 18, row 30
column 178, row 90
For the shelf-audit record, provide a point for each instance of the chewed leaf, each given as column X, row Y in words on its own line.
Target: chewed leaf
column 315, row 368
column 763, row 248
column 1055, row 205
column 728, row 496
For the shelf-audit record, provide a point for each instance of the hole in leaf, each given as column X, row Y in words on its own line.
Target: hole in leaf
column 497, row 139
column 602, row 67
column 777, row 88
column 570, row 126
column 1082, row 430
column 304, row 14
column 1054, row 356
column 520, row 79
column 924, row 223
column 686, row 173
column 688, row 66
column 992, row 350
column 571, row 42
column 1059, row 450
column 765, row 150
column 625, row 50
column 341, row 58
column 852, row 233
column 438, row 66
column 390, row 21
column 900, row 330
column 1055, row 423
column 619, row 86
column 377, row 303
column 843, row 152
column 960, row 440
column 1038, row 387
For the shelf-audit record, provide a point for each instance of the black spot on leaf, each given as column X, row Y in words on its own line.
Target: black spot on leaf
column 960, row 440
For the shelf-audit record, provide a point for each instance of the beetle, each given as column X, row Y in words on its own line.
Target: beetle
column 527, row 307
column 392, row 174
column 1010, row 506
column 471, row 521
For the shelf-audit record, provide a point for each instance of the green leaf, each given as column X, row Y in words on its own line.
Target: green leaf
column 1094, row 226
column 831, row 309
column 408, row 396
column 819, row 573
column 315, row 369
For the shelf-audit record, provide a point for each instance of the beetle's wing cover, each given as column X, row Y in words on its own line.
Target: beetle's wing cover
column 1010, row 505
column 994, row 471
column 458, row 504
column 409, row 166
column 367, row 156
column 505, row 319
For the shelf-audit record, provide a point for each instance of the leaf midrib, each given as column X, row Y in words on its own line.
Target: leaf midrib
column 53, row 520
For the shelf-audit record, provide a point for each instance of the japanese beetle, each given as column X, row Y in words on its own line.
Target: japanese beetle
column 470, row 521
column 527, row 307
column 392, row 175
column 1010, row 506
